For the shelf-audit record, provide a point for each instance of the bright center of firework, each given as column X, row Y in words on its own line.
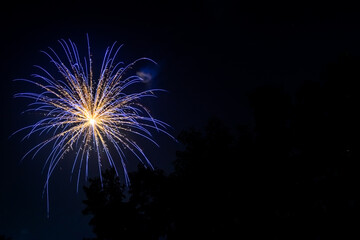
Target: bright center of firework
column 92, row 121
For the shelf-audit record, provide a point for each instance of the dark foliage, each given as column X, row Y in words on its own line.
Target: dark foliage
column 295, row 176
column 2, row 237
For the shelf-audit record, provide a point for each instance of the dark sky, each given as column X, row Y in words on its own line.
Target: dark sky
column 211, row 56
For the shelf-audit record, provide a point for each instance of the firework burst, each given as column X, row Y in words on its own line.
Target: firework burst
column 87, row 116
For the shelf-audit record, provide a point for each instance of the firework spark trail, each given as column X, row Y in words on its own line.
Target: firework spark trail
column 87, row 115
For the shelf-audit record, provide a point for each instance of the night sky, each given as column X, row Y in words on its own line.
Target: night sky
column 211, row 56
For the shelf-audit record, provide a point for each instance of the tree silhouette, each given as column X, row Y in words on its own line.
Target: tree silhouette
column 207, row 188
column 115, row 217
column 295, row 176
column 3, row 237
column 325, row 127
column 198, row 200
